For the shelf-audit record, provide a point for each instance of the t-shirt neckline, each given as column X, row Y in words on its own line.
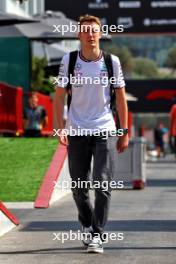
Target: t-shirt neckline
column 85, row 60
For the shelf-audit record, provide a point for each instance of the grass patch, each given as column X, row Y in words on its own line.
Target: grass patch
column 23, row 163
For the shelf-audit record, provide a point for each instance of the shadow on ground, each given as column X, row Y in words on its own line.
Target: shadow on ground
column 112, row 225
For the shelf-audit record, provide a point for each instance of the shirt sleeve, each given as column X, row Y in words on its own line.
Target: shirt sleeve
column 118, row 81
column 62, row 79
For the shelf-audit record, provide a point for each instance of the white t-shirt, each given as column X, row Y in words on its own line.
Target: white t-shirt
column 90, row 103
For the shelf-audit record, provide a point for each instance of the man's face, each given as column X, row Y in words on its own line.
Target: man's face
column 161, row 125
column 33, row 101
column 90, row 34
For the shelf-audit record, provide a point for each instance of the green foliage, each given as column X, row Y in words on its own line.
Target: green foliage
column 145, row 68
column 47, row 87
column 124, row 55
column 171, row 58
column 39, row 82
column 38, row 72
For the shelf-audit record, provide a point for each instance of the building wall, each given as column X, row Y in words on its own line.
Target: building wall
column 26, row 9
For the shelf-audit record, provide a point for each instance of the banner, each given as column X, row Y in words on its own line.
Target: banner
column 152, row 95
column 138, row 16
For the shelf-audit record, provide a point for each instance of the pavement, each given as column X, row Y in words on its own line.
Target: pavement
column 147, row 219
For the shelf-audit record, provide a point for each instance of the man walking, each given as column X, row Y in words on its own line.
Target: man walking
column 90, row 110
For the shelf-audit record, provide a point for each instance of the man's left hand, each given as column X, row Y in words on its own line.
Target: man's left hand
column 122, row 143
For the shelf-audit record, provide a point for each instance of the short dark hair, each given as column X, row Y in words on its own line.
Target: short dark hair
column 33, row 94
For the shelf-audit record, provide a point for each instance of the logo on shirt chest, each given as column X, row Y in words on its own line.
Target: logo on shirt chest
column 78, row 66
column 77, row 70
column 103, row 74
column 103, row 71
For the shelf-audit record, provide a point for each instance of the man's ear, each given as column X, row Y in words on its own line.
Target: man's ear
column 100, row 35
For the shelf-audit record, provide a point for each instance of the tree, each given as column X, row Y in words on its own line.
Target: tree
column 39, row 82
column 171, row 59
column 124, row 55
column 145, row 68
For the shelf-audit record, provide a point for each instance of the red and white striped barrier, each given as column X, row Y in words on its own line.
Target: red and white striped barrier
column 7, row 220
column 58, row 172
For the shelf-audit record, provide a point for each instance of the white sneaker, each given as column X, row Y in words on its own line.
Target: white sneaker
column 95, row 245
column 86, row 235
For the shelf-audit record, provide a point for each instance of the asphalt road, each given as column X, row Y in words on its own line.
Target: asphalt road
column 146, row 218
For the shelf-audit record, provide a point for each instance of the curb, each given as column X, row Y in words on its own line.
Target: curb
column 7, row 220
column 19, row 205
column 44, row 197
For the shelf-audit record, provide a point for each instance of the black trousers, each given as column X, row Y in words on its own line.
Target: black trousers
column 81, row 149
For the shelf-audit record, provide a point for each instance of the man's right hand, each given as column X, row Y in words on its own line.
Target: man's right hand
column 63, row 140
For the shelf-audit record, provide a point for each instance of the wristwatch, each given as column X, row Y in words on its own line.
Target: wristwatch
column 125, row 131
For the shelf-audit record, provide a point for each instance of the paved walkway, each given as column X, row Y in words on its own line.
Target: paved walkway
column 146, row 218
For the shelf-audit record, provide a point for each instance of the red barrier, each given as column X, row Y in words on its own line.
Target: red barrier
column 47, row 103
column 11, row 109
column 142, row 131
